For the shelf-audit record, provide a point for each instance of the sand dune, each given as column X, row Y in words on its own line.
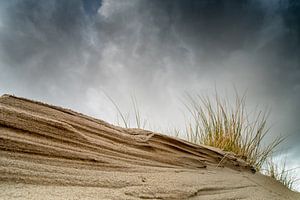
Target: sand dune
column 48, row 152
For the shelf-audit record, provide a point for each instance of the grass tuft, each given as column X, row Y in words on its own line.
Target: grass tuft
column 217, row 123
column 280, row 173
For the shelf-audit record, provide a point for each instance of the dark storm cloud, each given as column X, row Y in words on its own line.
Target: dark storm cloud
column 219, row 27
column 91, row 6
column 44, row 33
column 44, row 45
column 66, row 52
column 32, row 27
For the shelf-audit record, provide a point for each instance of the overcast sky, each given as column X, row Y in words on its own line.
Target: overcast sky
column 71, row 52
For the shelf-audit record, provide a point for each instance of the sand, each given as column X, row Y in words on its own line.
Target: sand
column 48, row 152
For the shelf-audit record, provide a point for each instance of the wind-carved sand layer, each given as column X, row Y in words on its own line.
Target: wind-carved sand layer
column 48, row 152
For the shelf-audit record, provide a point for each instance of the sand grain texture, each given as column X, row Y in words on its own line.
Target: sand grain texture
column 48, row 152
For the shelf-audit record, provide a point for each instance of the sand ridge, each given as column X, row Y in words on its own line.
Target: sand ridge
column 70, row 155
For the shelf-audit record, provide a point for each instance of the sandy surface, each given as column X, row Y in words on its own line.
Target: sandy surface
column 47, row 152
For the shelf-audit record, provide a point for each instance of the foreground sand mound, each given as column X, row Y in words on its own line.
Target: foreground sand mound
column 47, row 152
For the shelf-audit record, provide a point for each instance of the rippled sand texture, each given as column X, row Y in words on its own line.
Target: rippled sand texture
column 48, row 152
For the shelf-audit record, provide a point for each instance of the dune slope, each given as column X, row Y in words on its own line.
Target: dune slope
column 48, row 152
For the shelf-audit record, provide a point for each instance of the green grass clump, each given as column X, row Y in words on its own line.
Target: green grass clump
column 217, row 123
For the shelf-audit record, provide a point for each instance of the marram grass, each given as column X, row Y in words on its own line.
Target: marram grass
column 125, row 117
column 217, row 123
column 279, row 172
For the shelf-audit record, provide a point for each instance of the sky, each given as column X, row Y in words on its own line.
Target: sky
column 73, row 53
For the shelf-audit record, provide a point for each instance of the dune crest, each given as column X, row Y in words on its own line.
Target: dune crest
column 48, row 149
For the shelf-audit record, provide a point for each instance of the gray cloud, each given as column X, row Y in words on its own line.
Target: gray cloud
column 68, row 52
